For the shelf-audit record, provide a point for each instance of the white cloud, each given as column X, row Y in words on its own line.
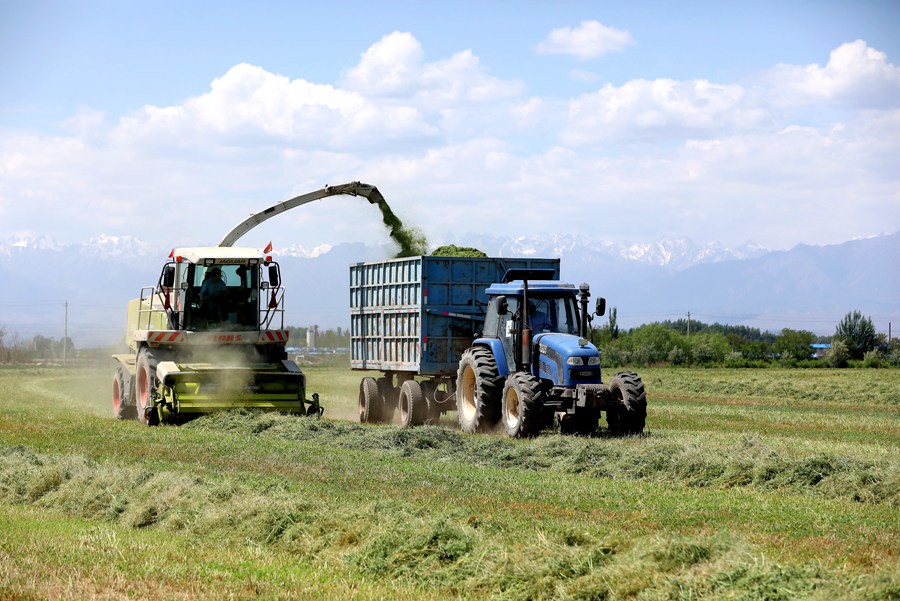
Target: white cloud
column 389, row 67
column 659, row 109
column 591, row 39
column 856, row 75
column 456, row 150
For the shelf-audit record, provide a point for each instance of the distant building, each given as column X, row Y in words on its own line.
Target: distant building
column 820, row 349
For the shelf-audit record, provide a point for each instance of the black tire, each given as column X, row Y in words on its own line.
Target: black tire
column 389, row 396
column 145, row 384
column 369, row 402
column 478, row 388
column 522, row 408
column 412, row 404
column 123, row 408
column 628, row 413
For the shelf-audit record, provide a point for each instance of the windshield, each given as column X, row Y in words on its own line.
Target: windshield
column 224, row 296
column 553, row 315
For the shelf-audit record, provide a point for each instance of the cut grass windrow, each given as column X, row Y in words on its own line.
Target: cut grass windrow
column 431, row 550
column 740, row 491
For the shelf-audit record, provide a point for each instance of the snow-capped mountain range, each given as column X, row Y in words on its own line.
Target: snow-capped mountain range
column 807, row 287
column 672, row 253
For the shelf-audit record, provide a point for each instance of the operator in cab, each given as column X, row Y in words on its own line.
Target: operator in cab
column 214, row 296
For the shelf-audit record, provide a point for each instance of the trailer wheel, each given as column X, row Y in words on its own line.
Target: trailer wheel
column 478, row 388
column 523, row 406
column 412, row 404
column 369, row 401
column 122, row 406
column 146, row 382
column 628, row 414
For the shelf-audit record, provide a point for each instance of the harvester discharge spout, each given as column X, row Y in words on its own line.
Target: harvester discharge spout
column 367, row 191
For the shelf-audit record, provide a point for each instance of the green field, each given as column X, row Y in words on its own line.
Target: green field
column 749, row 484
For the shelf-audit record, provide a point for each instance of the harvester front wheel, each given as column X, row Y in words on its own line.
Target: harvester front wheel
column 412, row 404
column 628, row 413
column 122, row 406
column 523, row 406
column 146, row 382
column 478, row 388
column 369, row 401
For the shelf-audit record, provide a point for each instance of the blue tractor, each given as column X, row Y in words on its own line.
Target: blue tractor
column 533, row 365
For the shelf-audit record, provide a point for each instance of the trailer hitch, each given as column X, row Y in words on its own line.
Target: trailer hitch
column 315, row 409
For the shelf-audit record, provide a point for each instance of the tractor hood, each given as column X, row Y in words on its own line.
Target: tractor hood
column 566, row 360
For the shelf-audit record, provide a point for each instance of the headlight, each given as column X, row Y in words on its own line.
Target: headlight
column 593, row 360
column 575, row 361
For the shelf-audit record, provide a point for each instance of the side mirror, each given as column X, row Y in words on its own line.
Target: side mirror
column 502, row 305
column 601, row 305
column 168, row 276
column 274, row 276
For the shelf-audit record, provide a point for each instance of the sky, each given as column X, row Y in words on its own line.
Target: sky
column 776, row 123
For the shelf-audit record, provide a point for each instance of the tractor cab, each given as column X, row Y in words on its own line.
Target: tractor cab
column 540, row 327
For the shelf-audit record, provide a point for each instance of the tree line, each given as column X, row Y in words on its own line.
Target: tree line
column 855, row 343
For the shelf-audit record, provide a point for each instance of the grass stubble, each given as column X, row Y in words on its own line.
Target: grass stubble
column 242, row 504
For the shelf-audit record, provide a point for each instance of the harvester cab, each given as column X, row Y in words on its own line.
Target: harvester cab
column 220, row 289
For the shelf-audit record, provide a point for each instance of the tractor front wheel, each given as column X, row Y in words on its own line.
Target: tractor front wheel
column 628, row 413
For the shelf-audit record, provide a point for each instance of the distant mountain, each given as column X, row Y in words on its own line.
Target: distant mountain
column 670, row 253
column 807, row 287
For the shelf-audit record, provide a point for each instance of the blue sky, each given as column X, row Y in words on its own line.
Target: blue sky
column 772, row 122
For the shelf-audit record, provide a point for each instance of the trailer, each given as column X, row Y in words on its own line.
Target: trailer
column 411, row 319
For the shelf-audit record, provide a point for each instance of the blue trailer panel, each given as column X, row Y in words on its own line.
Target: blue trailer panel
column 418, row 314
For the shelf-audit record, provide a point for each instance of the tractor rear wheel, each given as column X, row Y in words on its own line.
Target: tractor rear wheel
column 412, row 404
column 523, row 406
column 369, row 402
column 478, row 388
column 628, row 414
column 145, row 384
column 122, row 406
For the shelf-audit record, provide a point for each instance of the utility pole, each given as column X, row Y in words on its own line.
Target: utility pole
column 66, row 334
column 689, row 324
